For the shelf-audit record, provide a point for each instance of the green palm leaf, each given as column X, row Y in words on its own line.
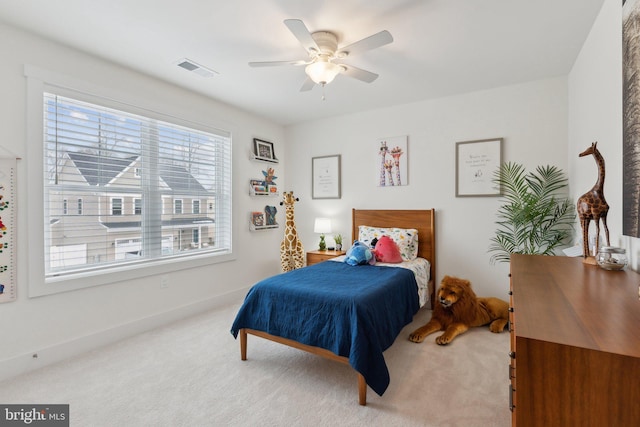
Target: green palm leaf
column 536, row 216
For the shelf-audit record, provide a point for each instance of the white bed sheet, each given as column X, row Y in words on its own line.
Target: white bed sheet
column 420, row 267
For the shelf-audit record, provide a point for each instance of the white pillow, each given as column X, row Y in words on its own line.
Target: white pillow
column 405, row 238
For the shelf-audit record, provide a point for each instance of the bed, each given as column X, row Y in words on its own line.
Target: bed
column 349, row 314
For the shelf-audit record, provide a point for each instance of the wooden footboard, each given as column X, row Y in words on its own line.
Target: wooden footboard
column 362, row 384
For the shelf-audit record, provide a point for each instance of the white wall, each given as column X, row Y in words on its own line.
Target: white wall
column 543, row 122
column 595, row 114
column 59, row 325
column 532, row 119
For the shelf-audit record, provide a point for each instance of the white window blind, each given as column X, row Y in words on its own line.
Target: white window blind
column 123, row 168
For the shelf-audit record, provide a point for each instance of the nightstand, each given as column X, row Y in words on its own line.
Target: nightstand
column 314, row 257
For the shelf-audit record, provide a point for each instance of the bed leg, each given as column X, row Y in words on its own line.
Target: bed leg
column 243, row 344
column 362, row 390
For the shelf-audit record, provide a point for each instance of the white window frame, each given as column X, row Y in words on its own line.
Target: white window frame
column 137, row 201
column 80, row 206
column 65, row 206
column 175, row 206
column 111, row 206
column 194, row 203
column 38, row 81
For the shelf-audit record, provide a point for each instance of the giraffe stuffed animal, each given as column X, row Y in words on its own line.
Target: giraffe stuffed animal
column 291, row 249
column 592, row 205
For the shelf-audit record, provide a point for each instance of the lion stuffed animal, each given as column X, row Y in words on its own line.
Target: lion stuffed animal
column 458, row 308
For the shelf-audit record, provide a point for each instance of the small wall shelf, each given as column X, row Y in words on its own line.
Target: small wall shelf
column 259, row 190
column 263, row 159
column 262, row 227
column 257, row 222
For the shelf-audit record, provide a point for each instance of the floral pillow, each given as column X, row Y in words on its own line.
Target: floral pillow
column 405, row 238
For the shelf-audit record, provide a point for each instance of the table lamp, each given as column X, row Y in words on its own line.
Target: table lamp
column 322, row 226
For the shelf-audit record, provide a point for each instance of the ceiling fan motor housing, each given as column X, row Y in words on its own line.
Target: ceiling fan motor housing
column 326, row 41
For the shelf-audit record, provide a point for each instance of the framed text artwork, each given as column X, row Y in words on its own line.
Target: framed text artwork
column 325, row 177
column 476, row 163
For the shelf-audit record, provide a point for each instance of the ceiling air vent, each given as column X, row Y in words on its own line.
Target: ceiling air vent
column 190, row 65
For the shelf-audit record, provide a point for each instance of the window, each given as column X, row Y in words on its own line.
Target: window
column 116, row 206
column 177, row 206
column 95, row 154
column 137, row 206
column 196, row 206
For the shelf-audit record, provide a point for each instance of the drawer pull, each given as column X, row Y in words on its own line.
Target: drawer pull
column 511, row 405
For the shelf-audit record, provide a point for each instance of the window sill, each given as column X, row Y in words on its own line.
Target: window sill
column 85, row 280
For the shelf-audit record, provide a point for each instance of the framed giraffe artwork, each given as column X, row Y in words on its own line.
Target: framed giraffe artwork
column 630, row 118
column 476, row 163
column 325, row 177
column 392, row 163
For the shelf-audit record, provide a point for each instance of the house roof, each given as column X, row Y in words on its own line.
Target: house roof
column 100, row 171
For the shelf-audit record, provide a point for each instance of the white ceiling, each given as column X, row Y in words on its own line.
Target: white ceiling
column 440, row 48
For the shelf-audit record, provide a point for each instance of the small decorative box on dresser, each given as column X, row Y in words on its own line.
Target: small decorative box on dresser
column 575, row 343
column 314, row 257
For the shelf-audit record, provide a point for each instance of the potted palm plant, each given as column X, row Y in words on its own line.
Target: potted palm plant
column 338, row 239
column 537, row 217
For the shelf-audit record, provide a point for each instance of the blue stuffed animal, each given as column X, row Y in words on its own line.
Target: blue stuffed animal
column 359, row 254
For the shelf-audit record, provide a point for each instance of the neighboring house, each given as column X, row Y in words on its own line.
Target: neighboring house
column 97, row 210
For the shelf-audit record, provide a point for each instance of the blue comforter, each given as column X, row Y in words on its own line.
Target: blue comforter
column 354, row 311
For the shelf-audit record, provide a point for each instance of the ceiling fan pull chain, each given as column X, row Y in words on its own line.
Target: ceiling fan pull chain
column 323, row 98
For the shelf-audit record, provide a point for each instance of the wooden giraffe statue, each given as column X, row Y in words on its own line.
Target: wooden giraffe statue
column 291, row 249
column 592, row 205
column 383, row 156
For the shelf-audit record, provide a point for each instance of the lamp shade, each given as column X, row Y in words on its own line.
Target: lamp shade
column 322, row 226
column 322, row 72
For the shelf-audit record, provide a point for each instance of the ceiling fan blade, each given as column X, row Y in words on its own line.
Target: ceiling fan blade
column 275, row 63
column 297, row 27
column 358, row 73
column 307, row 85
column 379, row 39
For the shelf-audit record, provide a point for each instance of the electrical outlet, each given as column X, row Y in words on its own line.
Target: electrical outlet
column 164, row 282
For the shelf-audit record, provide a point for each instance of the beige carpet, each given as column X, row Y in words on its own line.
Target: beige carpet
column 190, row 374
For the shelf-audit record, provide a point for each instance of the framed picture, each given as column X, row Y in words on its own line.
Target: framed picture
column 257, row 218
column 630, row 119
column 476, row 164
column 264, row 150
column 392, row 161
column 325, row 178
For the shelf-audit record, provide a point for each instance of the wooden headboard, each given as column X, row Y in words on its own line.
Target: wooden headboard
column 421, row 220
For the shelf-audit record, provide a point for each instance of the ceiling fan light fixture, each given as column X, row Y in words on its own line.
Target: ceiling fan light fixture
column 322, row 72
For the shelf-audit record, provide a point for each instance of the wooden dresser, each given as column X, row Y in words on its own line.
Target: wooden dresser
column 314, row 257
column 575, row 344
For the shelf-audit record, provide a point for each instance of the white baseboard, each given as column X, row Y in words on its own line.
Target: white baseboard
column 46, row 356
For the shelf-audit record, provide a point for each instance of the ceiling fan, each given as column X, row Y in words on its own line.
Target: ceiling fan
column 324, row 62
